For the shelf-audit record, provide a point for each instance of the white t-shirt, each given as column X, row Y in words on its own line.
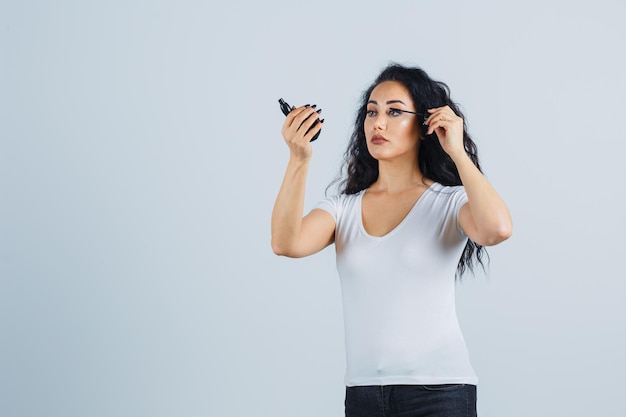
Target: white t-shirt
column 398, row 292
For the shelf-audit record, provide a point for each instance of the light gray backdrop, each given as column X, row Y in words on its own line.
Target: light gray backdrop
column 140, row 154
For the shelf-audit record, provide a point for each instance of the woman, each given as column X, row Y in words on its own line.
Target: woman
column 415, row 211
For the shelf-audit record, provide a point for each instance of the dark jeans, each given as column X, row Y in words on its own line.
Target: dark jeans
column 448, row 400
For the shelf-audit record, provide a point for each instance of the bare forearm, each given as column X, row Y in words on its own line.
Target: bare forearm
column 488, row 211
column 289, row 206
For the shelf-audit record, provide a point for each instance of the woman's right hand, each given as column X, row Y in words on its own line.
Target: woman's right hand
column 295, row 128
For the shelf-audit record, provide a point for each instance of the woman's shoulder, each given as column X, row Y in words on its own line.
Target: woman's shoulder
column 342, row 196
column 337, row 204
column 446, row 189
column 343, row 199
column 447, row 195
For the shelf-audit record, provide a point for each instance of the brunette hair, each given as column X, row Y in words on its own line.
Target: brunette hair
column 361, row 169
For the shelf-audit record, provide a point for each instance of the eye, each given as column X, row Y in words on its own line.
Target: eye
column 370, row 113
column 394, row 112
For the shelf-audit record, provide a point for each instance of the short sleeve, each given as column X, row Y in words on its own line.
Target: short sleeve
column 330, row 205
column 457, row 200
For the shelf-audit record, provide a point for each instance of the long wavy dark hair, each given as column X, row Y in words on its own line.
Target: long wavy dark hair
column 361, row 169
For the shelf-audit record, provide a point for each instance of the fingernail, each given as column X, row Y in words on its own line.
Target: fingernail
column 314, row 106
column 321, row 120
column 307, row 105
column 318, row 111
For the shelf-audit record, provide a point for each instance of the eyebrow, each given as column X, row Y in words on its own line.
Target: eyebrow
column 389, row 102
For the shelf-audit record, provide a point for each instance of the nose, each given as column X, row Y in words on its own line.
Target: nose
column 380, row 122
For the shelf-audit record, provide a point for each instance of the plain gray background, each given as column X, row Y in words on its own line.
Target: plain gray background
column 140, row 155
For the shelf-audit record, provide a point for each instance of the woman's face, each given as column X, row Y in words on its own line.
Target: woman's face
column 390, row 133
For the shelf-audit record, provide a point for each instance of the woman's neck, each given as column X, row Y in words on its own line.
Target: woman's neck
column 396, row 178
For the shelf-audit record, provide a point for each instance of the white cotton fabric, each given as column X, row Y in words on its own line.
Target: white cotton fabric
column 398, row 292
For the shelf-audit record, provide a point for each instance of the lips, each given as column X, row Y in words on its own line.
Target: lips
column 378, row 139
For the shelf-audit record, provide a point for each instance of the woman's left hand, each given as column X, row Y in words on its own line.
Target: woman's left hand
column 449, row 129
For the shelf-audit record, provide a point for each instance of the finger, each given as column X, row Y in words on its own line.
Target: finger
column 294, row 121
column 445, row 121
column 438, row 123
column 309, row 122
column 314, row 130
column 302, row 115
column 298, row 132
column 431, row 128
column 434, row 109
column 435, row 114
column 443, row 116
column 295, row 112
column 445, row 110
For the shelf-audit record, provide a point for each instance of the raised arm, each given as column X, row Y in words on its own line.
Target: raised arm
column 485, row 218
column 292, row 234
